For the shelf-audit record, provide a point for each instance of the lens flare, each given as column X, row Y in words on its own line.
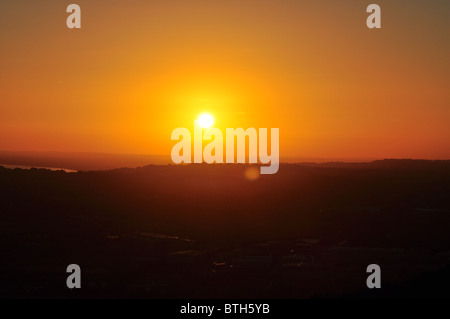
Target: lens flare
column 252, row 173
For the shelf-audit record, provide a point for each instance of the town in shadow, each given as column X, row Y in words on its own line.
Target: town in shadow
column 208, row 231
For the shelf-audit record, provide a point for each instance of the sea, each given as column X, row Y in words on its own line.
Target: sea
column 30, row 167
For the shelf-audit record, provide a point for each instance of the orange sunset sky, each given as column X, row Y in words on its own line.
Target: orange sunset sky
column 136, row 70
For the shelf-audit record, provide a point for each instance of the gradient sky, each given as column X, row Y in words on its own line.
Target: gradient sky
column 139, row 69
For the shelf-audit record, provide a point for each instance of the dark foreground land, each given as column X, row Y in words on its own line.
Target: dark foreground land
column 204, row 231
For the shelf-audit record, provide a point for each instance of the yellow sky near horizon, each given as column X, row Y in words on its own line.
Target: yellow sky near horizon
column 137, row 70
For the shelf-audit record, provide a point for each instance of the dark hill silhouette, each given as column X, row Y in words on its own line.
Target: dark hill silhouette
column 194, row 230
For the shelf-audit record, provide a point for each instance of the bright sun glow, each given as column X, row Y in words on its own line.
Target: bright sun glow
column 205, row 120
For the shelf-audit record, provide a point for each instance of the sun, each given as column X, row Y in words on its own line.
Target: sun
column 205, row 120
